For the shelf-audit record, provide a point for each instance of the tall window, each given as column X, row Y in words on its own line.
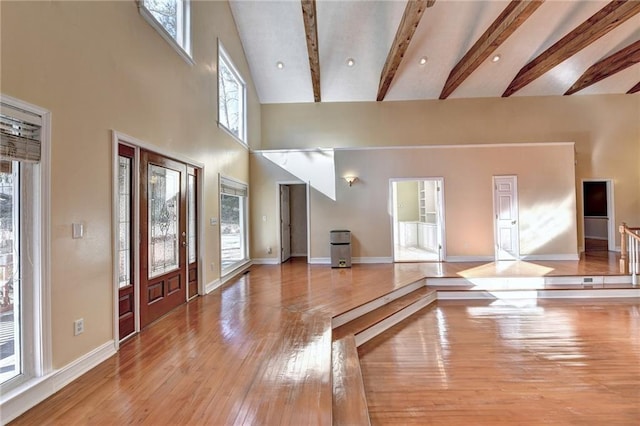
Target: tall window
column 22, row 246
column 171, row 18
column 232, row 95
column 233, row 224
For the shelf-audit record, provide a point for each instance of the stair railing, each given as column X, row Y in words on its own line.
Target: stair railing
column 630, row 252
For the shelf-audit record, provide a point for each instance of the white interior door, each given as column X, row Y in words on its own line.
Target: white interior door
column 285, row 223
column 505, row 202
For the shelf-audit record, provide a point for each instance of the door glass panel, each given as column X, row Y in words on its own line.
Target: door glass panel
column 10, row 359
column 163, row 190
column 191, row 193
column 124, row 221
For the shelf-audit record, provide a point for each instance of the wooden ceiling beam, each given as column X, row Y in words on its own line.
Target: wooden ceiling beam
column 408, row 24
column 608, row 66
column 505, row 24
column 311, row 30
column 605, row 20
column 634, row 89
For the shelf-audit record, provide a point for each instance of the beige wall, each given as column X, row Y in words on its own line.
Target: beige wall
column 407, row 193
column 99, row 66
column 547, row 209
column 605, row 129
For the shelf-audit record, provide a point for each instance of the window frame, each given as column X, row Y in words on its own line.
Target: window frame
column 224, row 57
column 182, row 42
column 35, row 289
column 244, row 223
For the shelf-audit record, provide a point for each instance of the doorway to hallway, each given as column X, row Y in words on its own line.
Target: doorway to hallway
column 418, row 219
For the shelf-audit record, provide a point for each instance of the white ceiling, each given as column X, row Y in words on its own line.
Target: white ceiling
column 273, row 31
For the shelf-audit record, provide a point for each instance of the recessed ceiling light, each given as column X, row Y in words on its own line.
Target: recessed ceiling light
column 423, row 60
column 496, row 58
column 280, row 65
column 351, row 62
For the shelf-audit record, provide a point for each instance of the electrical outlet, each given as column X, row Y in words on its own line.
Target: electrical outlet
column 269, row 250
column 78, row 326
column 213, row 267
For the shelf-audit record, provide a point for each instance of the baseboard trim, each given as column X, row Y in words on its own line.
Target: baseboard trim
column 266, row 261
column 18, row 401
column 528, row 257
column 539, row 294
column 355, row 260
column 372, row 260
column 212, row 286
column 319, row 261
column 455, row 259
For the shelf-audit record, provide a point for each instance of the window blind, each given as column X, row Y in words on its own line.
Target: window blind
column 19, row 135
column 230, row 187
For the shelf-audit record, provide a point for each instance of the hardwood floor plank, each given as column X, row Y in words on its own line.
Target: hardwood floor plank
column 257, row 351
column 543, row 362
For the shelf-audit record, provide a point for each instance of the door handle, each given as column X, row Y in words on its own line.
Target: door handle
column 513, row 222
column 184, row 244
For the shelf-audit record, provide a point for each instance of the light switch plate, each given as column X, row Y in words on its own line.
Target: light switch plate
column 78, row 230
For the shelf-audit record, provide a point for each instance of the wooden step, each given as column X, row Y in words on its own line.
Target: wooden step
column 358, row 311
column 365, row 321
column 395, row 317
column 349, row 400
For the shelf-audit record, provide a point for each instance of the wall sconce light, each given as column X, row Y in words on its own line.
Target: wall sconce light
column 350, row 179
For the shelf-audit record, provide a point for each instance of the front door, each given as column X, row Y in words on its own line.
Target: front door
column 163, row 239
column 285, row 223
column 505, row 202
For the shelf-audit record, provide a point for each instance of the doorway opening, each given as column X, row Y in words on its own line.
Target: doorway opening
column 294, row 221
column 598, row 220
column 418, row 219
column 156, row 205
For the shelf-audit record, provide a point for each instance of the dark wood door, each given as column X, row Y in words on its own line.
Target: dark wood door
column 163, row 236
column 192, row 230
column 126, row 278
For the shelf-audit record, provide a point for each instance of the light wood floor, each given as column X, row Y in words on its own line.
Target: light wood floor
column 558, row 363
column 257, row 351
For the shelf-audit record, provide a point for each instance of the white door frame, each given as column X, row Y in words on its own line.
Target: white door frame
column 279, row 227
column 516, row 227
column 393, row 213
column 611, row 226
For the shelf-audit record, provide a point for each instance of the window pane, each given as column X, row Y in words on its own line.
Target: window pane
column 124, row 208
column 10, row 360
column 165, row 12
column 230, row 230
column 192, row 218
column 163, row 190
column 231, row 97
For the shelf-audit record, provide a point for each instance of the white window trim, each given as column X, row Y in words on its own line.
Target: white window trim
column 37, row 336
column 243, row 138
column 182, row 44
column 245, row 217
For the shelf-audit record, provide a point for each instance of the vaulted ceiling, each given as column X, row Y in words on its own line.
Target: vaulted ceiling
column 365, row 50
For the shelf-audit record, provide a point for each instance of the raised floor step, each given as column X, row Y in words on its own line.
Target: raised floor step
column 368, row 319
column 349, row 399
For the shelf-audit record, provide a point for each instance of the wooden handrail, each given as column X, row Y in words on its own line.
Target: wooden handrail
column 624, row 253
